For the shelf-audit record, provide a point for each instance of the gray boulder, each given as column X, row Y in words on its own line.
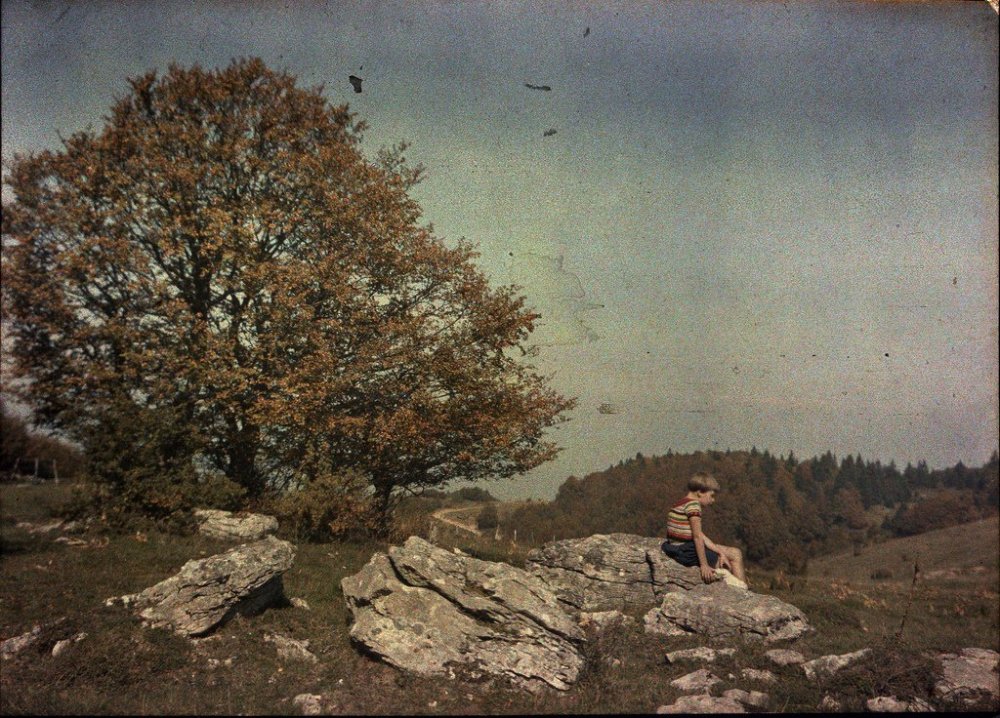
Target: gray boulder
column 758, row 674
column 754, row 699
column 229, row 527
column 828, row 665
column 702, row 703
column 610, row 571
column 701, row 653
column 207, row 592
column 424, row 609
column 14, row 645
column 700, row 680
column 968, row 675
column 891, row 704
column 720, row 611
column 785, row 656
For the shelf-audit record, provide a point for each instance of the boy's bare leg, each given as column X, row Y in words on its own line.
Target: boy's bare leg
column 735, row 557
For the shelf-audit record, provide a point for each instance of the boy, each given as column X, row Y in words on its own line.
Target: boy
column 688, row 545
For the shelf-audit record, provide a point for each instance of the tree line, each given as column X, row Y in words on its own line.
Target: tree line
column 780, row 510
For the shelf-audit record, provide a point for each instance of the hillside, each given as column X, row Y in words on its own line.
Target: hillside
column 969, row 553
column 115, row 666
column 781, row 511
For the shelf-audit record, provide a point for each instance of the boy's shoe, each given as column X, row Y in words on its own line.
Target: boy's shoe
column 724, row 575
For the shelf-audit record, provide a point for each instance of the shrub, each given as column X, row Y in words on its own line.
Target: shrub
column 334, row 503
column 488, row 517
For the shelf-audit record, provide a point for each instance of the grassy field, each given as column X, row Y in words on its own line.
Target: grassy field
column 963, row 554
column 122, row 667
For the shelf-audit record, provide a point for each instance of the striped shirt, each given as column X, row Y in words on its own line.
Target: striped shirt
column 679, row 519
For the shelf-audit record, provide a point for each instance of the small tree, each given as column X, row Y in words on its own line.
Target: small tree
column 488, row 517
column 222, row 266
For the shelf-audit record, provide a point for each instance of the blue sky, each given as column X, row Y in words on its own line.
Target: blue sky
column 757, row 223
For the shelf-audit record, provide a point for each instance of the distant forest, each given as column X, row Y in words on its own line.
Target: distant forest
column 779, row 510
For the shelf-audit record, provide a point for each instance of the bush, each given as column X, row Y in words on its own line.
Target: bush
column 335, row 503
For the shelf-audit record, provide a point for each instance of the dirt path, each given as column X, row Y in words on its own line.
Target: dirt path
column 448, row 516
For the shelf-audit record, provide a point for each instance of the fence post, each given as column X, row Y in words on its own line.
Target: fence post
column 55, row 471
column 36, row 468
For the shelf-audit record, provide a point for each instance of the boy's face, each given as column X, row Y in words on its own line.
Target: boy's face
column 707, row 498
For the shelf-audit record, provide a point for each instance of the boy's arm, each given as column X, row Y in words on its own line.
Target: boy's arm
column 707, row 573
column 709, row 543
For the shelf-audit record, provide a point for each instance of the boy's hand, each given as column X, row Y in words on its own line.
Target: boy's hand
column 724, row 562
column 707, row 574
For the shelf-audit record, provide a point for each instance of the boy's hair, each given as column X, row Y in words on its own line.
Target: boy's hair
column 703, row 482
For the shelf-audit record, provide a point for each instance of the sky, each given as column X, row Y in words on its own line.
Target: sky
column 767, row 224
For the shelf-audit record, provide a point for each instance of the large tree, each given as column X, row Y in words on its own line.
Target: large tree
column 222, row 259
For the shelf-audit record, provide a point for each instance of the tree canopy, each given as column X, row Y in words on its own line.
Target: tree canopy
column 219, row 283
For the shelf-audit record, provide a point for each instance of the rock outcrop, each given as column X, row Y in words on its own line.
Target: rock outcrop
column 227, row 526
column 610, row 571
column 207, row 592
column 719, row 611
column 425, row 609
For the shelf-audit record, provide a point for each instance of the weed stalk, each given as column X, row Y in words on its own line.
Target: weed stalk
column 909, row 599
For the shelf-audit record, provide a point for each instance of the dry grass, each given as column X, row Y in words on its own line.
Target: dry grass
column 966, row 554
column 124, row 668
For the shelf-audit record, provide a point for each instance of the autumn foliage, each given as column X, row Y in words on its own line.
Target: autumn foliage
column 219, row 288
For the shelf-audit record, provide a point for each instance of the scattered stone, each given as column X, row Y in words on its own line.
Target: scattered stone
column 214, row 663
column 70, row 541
column 14, row 645
column 229, row 527
column 968, row 675
column 759, row 674
column 33, row 528
column 721, row 611
column 309, row 704
column 207, row 592
column 754, row 699
column 609, row 571
column 891, row 704
column 703, row 703
column 656, row 623
column 290, row 649
column 829, row 704
column 603, row 620
column 700, row 680
column 702, row 653
column 61, row 646
column 785, row 657
column 421, row 608
column 828, row 665
column 300, row 603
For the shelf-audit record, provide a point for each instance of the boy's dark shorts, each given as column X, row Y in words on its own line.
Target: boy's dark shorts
column 684, row 553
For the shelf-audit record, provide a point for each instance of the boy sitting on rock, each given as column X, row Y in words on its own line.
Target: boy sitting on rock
column 688, row 545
